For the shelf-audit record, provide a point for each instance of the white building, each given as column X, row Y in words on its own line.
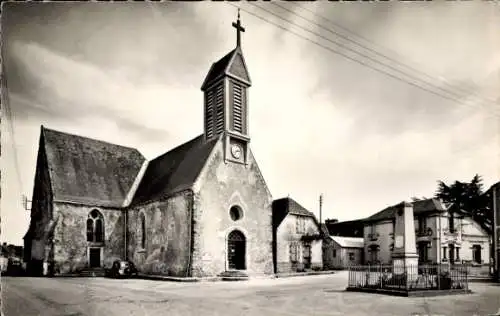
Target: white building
column 439, row 237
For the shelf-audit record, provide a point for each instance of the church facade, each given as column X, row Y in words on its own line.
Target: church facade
column 201, row 209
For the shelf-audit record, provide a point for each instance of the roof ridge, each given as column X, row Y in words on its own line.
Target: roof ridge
column 176, row 148
column 45, row 129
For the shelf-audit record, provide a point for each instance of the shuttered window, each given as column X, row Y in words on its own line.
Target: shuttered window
column 209, row 113
column 294, row 249
column 219, row 104
column 237, row 107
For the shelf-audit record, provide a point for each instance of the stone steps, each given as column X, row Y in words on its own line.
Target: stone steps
column 92, row 272
column 233, row 276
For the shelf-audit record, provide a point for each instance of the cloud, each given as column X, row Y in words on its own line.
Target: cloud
column 319, row 123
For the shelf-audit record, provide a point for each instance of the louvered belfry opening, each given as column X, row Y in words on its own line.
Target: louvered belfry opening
column 209, row 113
column 237, row 107
column 214, row 110
column 219, row 103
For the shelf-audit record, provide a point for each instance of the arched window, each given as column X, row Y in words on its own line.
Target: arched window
column 95, row 227
column 90, row 229
column 143, row 231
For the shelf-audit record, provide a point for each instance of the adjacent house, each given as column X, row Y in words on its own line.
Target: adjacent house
column 347, row 251
column 297, row 238
column 493, row 195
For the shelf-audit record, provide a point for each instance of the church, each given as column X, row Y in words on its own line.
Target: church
column 199, row 210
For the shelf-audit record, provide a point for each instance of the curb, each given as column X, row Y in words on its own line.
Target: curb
column 299, row 274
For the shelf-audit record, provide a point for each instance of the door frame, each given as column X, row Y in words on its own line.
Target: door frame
column 101, row 252
column 226, row 247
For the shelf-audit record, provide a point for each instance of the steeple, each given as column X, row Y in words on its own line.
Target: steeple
column 225, row 98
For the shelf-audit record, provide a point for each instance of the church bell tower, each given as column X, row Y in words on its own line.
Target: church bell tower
column 225, row 92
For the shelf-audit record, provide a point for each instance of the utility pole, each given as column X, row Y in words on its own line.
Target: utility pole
column 320, row 207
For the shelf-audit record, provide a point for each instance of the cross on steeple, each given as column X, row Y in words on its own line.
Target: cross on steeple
column 239, row 28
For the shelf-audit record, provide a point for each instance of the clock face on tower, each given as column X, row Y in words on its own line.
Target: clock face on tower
column 236, row 151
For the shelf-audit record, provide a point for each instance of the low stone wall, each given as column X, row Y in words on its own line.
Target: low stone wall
column 286, row 267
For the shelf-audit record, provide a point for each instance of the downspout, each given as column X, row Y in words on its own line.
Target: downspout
column 190, row 234
column 125, row 233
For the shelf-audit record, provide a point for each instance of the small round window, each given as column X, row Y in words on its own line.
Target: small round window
column 236, row 213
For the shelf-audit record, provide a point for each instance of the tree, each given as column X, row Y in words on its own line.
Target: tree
column 467, row 197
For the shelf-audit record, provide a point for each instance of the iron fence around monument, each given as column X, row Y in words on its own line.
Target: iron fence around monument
column 409, row 278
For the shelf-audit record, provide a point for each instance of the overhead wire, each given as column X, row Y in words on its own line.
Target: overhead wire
column 363, row 63
column 337, row 25
column 10, row 123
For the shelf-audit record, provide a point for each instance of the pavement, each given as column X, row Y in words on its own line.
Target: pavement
column 308, row 295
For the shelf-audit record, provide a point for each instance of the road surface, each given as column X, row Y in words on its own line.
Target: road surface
column 311, row 295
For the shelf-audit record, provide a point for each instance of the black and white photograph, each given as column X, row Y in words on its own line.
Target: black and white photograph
column 250, row 158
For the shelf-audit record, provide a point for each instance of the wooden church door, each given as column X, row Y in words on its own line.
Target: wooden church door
column 236, row 246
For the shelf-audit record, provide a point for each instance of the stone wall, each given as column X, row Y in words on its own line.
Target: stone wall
column 220, row 186
column 70, row 253
column 168, row 236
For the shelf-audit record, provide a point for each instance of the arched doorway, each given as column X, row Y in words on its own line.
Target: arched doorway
column 236, row 247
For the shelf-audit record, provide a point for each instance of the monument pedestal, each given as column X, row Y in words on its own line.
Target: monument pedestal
column 404, row 256
column 406, row 266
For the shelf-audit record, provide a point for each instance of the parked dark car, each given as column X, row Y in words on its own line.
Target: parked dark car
column 122, row 269
column 15, row 267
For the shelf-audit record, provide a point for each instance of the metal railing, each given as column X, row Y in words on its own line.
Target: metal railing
column 409, row 278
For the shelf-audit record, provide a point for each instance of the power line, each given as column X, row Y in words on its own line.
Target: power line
column 443, row 80
column 368, row 57
column 343, row 54
column 9, row 116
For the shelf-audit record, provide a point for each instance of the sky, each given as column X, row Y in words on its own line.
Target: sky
column 321, row 119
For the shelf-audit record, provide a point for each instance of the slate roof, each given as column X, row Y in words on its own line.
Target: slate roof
column 419, row 207
column 348, row 242
column 284, row 206
column 175, row 170
column 89, row 171
column 218, row 68
column 231, row 63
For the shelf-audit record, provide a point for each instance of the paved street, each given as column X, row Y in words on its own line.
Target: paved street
column 312, row 295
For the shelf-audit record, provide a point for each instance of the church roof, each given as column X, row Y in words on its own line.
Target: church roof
column 175, row 170
column 419, row 207
column 232, row 64
column 89, row 171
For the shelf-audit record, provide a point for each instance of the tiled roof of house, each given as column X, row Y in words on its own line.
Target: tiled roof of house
column 89, row 171
column 284, row 206
column 353, row 228
column 348, row 242
column 175, row 170
column 419, row 207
